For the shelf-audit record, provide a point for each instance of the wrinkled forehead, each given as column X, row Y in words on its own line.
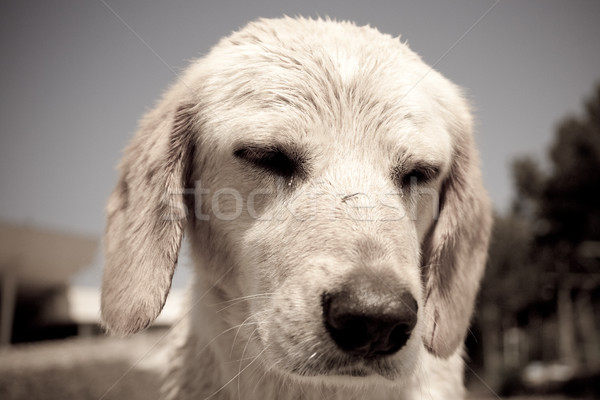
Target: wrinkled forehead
column 335, row 92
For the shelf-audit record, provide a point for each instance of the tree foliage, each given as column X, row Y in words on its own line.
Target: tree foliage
column 555, row 211
column 543, row 272
column 563, row 204
column 571, row 202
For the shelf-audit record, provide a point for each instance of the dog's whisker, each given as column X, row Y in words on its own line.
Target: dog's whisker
column 239, row 326
column 244, row 298
column 236, row 375
column 243, row 356
column 240, row 366
column 238, row 360
column 243, row 324
column 266, row 371
column 231, row 305
column 207, row 345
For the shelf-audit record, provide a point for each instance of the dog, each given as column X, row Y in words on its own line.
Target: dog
column 329, row 186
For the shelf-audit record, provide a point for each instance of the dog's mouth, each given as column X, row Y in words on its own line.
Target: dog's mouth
column 350, row 374
column 348, row 369
column 365, row 372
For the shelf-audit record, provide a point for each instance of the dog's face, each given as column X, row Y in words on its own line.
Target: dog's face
column 331, row 177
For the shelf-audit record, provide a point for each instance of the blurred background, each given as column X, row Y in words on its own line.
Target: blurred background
column 76, row 76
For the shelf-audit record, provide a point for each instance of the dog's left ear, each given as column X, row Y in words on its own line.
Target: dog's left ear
column 455, row 250
column 146, row 218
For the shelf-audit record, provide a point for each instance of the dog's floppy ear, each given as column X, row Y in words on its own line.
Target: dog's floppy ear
column 455, row 250
column 146, row 216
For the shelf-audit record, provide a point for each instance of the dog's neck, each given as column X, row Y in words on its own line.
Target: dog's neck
column 214, row 360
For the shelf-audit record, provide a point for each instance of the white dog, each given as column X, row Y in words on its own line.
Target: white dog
column 327, row 181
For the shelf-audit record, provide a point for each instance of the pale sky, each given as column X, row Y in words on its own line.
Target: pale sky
column 75, row 77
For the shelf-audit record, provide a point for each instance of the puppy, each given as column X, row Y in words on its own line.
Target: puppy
column 327, row 181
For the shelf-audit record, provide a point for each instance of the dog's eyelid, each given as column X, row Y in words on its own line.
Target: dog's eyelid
column 281, row 160
column 419, row 173
column 429, row 172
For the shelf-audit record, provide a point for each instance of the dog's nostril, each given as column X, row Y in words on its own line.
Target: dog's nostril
column 351, row 332
column 370, row 319
column 400, row 335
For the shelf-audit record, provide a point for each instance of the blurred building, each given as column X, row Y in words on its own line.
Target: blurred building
column 36, row 267
column 37, row 299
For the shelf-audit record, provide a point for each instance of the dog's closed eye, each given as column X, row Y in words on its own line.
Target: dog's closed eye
column 419, row 174
column 283, row 161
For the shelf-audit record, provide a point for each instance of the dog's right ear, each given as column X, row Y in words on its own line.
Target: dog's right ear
column 146, row 217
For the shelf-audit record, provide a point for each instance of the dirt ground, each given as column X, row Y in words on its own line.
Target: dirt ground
column 95, row 368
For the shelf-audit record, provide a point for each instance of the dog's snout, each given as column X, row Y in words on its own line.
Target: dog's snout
column 370, row 316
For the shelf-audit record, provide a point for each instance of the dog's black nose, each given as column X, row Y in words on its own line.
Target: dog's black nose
column 370, row 316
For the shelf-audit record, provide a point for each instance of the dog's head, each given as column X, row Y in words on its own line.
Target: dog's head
column 324, row 166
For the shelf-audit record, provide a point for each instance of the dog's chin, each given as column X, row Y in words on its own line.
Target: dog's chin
column 358, row 374
column 346, row 372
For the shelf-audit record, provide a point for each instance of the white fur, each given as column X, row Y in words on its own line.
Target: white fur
column 361, row 110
